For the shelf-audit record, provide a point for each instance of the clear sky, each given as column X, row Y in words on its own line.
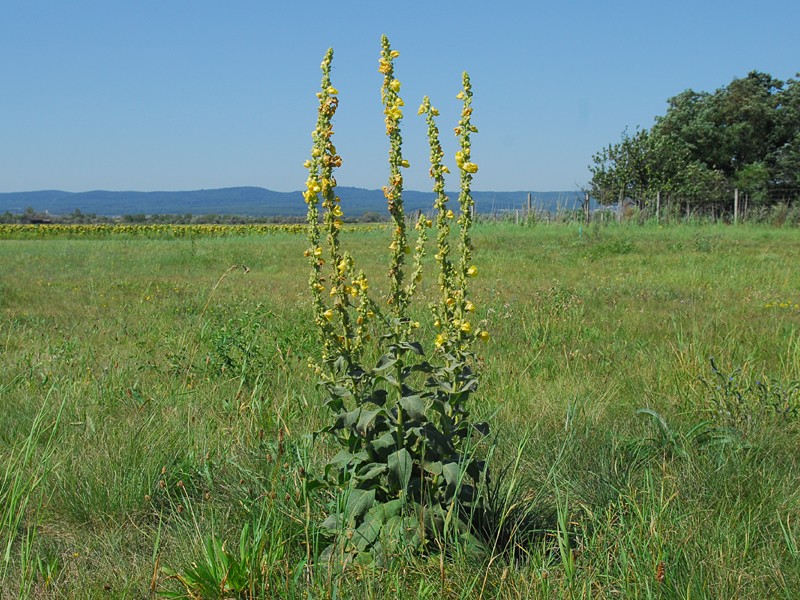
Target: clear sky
column 190, row 94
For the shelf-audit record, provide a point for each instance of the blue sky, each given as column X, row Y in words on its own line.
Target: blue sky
column 181, row 95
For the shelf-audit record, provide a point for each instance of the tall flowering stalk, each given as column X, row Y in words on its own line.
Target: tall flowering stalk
column 454, row 310
column 340, row 337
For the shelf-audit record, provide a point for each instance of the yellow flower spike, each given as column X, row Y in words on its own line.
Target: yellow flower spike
column 328, row 314
column 484, row 336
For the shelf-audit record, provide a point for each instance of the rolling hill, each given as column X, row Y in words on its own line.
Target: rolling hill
column 260, row 202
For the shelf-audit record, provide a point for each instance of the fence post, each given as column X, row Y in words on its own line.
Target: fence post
column 586, row 208
column 658, row 205
column 735, row 206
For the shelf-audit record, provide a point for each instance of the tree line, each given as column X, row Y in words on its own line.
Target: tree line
column 744, row 136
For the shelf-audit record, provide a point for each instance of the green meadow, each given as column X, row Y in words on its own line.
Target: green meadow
column 642, row 385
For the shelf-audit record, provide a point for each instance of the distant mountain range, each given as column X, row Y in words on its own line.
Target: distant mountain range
column 260, row 202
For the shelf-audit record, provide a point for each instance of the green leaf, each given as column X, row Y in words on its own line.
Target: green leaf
column 434, row 468
column 386, row 362
column 383, row 443
column 371, row 471
column 452, row 476
column 400, row 466
column 367, row 420
column 338, row 391
column 414, row 407
column 378, row 397
column 359, row 502
column 414, row 347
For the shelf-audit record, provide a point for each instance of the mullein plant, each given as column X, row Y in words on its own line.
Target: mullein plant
column 407, row 472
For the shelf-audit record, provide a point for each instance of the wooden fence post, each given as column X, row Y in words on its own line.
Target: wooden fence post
column 586, row 208
column 736, row 206
column 658, row 206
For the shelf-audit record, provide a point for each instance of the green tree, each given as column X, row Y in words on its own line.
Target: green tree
column 745, row 135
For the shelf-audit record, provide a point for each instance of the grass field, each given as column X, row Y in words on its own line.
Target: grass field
column 156, row 399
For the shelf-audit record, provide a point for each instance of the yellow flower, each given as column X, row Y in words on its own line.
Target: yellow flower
column 394, row 54
column 328, row 314
column 449, row 214
column 440, row 340
column 469, row 306
column 395, row 85
column 405, row 163
column 342, row 267
column 460, row 95
column 484, row 336
column 332, row 90
column 472, row 271
column 466, row 327
column 470, row 167
column 317, row 251
column 449, row 302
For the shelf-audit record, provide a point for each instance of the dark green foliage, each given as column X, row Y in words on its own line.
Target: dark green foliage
column 408, row 463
